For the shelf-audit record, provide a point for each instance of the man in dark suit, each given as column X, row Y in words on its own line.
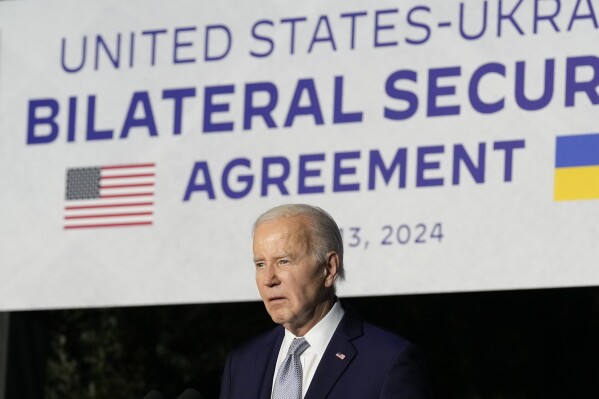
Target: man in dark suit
column 321, row 349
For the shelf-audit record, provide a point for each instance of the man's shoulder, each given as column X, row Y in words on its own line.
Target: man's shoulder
column 257, row 343
column 381, row 349
column 375, row 338
column 383, row 338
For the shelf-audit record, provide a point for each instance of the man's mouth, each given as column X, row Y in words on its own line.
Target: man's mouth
column 276, row 299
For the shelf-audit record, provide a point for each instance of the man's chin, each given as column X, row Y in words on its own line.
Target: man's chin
column 277, row 315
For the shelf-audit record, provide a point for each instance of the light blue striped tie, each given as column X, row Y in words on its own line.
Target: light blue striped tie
column 288, row 384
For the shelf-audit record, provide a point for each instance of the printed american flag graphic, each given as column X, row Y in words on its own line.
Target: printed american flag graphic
column 109, row 196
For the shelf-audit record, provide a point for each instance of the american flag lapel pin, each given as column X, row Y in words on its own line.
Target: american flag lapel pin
column 340, row 355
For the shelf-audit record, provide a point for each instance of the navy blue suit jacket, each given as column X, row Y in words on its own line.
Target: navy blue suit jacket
column 374, row 363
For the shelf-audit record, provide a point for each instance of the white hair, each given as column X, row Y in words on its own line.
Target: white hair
column 324, row 232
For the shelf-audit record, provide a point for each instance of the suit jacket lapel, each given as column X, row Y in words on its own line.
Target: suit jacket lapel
column 266, row 359
column 339, row 354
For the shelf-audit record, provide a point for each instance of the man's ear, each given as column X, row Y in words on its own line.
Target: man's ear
column 331, row 268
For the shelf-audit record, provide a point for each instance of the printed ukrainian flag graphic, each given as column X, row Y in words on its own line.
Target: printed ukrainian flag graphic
column 577, row 167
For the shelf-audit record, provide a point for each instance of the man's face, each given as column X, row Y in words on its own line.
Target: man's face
column 292, row 284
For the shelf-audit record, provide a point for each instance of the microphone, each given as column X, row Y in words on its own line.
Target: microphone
column 190, row 393
column 154, row 394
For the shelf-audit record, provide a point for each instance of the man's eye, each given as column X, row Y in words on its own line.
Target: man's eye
column 284, row 262
column 259, row 264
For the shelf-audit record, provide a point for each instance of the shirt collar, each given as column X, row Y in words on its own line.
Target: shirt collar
column 319, row 336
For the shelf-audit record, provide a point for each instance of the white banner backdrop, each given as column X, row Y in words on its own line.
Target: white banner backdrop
column 454, row 142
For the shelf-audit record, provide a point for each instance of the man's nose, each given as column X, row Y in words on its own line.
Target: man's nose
column 269, row 276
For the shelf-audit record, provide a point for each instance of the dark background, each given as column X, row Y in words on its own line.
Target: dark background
column 509, row 344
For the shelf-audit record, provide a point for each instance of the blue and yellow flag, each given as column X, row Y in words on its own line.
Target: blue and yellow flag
column 577, row 167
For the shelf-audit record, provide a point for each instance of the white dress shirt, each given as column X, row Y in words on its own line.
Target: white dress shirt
column 318, row 337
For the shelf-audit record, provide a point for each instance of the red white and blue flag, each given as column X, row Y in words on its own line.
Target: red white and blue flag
column 109, row 196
